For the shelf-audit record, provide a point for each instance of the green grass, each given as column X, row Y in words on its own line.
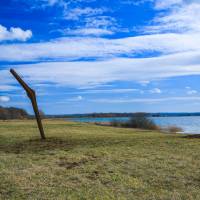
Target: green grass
column 83, row 161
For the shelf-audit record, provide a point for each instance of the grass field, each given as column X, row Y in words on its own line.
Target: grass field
column 83, row 161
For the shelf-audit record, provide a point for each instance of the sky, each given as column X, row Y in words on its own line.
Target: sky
column 85, row 56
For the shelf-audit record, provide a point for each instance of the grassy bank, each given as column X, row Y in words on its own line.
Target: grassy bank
column 84, row 161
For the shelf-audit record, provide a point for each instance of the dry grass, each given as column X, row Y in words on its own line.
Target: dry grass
column 84, row 161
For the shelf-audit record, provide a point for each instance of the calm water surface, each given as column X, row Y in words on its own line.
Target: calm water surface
column 190, row 124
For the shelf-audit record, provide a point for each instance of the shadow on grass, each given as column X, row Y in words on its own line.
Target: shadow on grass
column 54, row 143
column 192, row 136
column 35, row 145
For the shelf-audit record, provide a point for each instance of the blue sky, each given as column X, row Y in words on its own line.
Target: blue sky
column 84, row 56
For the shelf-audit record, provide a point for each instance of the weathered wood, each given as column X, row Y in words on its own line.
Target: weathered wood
column 31, row 94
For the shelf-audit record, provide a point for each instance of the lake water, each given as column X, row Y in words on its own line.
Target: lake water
column 190, row 124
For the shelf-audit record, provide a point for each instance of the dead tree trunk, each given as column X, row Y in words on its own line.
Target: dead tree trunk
column 31, row 94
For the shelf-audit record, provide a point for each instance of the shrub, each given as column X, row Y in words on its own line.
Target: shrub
column 116, row 123
column 174, row 129
column 138, row 120
column 141, row 120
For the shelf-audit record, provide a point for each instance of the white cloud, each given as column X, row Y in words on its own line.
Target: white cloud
column 76, row 13
column 14, row 34
column 4, row 99
column 164, row 4
column 145, row 100
column 135, row 2
column 105, row 91
column 184, row 17
column 191, row 92
column 86, row 73
column 155, row 91
column 178, row 52
column 88, row 32
column 53, row 2
column 77, row 47
column 75, row 10
column 101, row 22
column 92, row 21
column 144, row 83
column 78, row 98
column 7, row 87
column 41, row 4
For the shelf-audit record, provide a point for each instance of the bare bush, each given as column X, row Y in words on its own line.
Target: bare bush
column 138, row 120
column 174, row 129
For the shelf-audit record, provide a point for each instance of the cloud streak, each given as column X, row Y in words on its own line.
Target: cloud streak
column 77, row 47
column 86, row 73
column 76, row 13
column 146, row 100
column 88, row 32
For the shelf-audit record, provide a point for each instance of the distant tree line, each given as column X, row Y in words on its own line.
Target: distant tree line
column 17, row 113
column 13, row 113
column 96, row 115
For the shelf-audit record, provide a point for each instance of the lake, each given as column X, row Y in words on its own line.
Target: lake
column 189, row 124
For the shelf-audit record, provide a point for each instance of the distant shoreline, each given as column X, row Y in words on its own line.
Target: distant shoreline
column 107, row 115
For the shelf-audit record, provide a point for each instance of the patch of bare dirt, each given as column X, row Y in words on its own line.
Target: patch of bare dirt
column 65, row 162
